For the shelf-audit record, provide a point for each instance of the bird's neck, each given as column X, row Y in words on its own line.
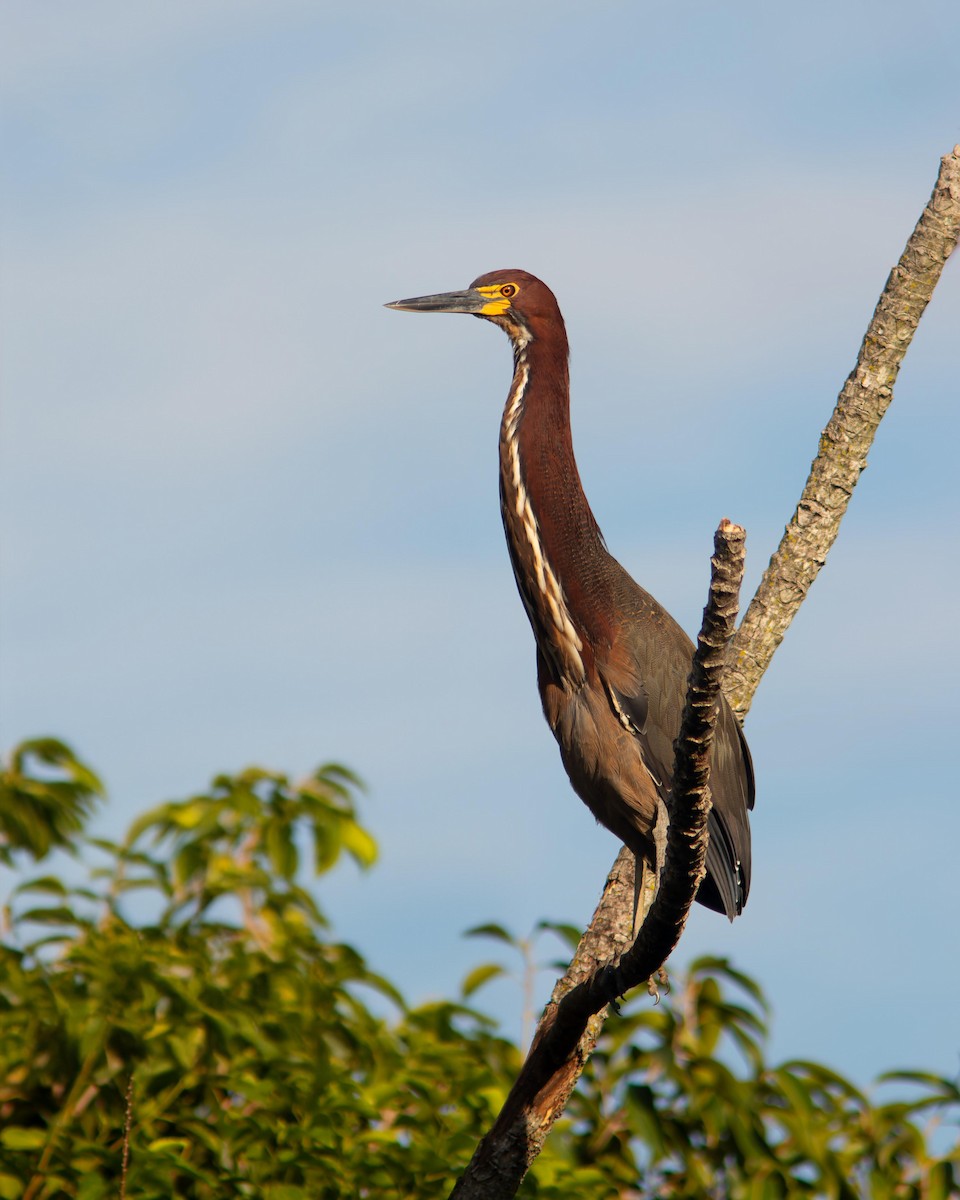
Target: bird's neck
column 555, row 545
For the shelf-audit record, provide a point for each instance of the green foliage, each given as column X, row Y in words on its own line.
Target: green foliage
column 262, row 1061
column 265, row 1059
column 46, row 794
column 679, row 1101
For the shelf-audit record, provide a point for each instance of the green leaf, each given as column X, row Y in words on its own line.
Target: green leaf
column 58, row 915
column 492, row 931
column 712, row 965
column 281, row 848
column 479, row 976
column 46, row 883
column 358, row 844
column 942, row 1090
column 168, row 1145
column 944, row 1180
column 826, row 1078
column 570, row 935
column 17, row 1137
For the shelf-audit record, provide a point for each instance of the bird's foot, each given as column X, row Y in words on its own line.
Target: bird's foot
column 655, row 982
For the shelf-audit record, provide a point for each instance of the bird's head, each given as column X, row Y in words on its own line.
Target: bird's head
column 515, row 300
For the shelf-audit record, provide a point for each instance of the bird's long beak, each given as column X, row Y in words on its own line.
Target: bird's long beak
column 470, row 301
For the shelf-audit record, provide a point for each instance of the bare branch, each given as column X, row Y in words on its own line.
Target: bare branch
column 845, row 442
column 571, row 1023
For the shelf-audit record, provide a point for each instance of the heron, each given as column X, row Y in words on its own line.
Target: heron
column 612, row 664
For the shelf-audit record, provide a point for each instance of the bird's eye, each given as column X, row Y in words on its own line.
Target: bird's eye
column 508, row 290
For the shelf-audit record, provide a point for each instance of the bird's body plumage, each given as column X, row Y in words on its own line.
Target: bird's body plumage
column 612, row 664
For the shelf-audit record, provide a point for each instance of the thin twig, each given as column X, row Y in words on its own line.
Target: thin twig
column 127, row 1126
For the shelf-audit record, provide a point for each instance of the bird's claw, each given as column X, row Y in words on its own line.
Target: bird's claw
column 655, row 982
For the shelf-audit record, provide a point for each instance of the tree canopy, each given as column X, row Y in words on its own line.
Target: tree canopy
column 185, row 1022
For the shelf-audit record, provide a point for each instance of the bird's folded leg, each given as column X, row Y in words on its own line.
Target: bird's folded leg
column 639, row 878
column 660, row 837
column 646, row 879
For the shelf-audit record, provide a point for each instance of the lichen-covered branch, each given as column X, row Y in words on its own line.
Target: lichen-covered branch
column 571, row 1023
column 845, row 442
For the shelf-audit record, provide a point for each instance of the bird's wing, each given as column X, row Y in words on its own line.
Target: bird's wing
column 632, row 709
column 727, row 881
column 645, row 677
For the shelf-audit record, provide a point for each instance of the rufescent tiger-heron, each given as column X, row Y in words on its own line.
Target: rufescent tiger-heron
column 612, row 664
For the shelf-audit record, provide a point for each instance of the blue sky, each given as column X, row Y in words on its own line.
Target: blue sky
column 248, row 515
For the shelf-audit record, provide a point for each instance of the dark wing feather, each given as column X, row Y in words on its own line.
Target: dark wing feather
column 650, row 664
